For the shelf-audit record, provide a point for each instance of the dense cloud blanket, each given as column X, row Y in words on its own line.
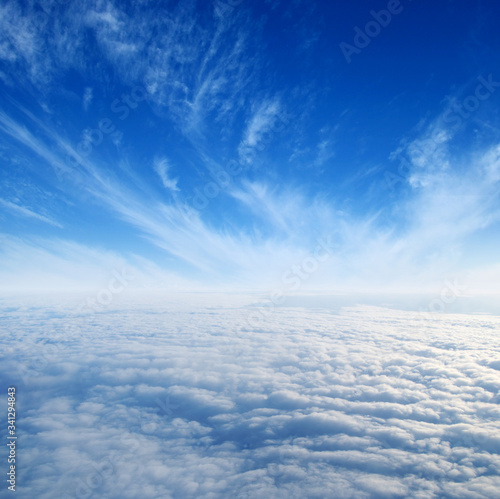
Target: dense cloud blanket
column 190, row 398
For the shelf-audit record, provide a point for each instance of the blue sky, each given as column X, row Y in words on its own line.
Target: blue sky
column 243, row 145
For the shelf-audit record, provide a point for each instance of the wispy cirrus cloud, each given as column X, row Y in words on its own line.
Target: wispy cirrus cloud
column 43, row 263
column 176, row 228
column 190, row 72
column 28, row 213
column 433, row 223
column 162, row 167
column 260, row 124
column 453, row 194
column 88, row 95
column 20, row 133
column 198, row 74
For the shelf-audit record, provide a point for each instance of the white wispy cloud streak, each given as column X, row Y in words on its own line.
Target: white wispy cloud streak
column 162, row 166
column 21, row 134
column 88, row 95
column 261, row 122
column 42, row 263
column 176, row 228
column 186, row 69
column 190, row 72
column 453, row 195
column 26, row 212
column 439, row 215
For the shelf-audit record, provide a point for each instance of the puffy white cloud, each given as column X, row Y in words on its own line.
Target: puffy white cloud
column 180, row 397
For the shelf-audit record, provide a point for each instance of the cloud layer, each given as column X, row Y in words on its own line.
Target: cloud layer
column 181, row 397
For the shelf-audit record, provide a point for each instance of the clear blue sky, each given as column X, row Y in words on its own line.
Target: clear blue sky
column 226, row 144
